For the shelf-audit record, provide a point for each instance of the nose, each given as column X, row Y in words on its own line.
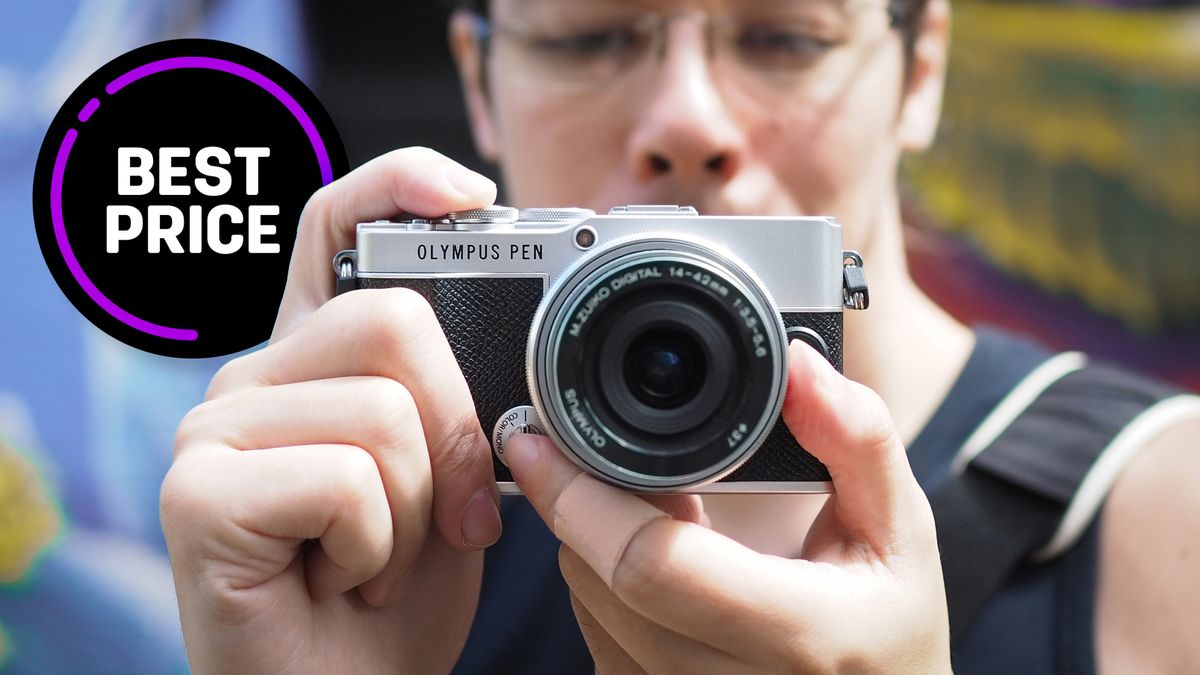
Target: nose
column 683, row 132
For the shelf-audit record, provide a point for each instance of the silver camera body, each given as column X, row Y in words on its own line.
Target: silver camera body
column 649, row 343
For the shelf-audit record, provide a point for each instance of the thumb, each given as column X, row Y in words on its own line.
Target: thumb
column 847, row 426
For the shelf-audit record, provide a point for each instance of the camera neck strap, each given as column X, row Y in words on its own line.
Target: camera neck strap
column 1030, row 479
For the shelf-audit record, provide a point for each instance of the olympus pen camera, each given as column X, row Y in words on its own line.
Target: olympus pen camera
column 650, row 343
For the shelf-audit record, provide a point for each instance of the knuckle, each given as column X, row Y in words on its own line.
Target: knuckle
column 240, row 373
column 387, row 407
column 878, row 432
column 569, row 566
column 392, row 316
column 193, row 427
column 213, row 421
column 645, row 565
column 356, row 480
column 180, row 499
column 225, row 379
column 362, row 498
column 210, row 423
column 458, row 448
column 318, row 202
column 358, row 474
column 405, row 305
column 315, row 217
column 873, row 402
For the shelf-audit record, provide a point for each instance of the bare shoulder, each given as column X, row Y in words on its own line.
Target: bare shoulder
column 1148, row 608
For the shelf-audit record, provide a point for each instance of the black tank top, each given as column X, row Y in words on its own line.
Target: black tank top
column 1041, row 621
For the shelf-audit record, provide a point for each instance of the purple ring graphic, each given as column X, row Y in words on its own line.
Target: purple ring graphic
column 245, row 73
column 64, row 151
column 88, row 109
column 60, row 235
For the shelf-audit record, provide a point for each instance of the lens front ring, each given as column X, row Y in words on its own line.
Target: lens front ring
column 590, row 429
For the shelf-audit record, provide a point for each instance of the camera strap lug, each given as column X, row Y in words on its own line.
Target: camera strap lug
column 344, row 264
column 854, row 282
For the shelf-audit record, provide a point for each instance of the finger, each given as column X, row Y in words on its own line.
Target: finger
column 393, row 333
column 624, row 636
column 374, row 413
column 596, row 520
column 680, row 575
column 609, row 657
column 244, row 515
column 848, row 427
column 688, row 508
column 415, row 180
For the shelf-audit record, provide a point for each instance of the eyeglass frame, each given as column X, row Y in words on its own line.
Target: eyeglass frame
column 898, row 11
column 485, row 28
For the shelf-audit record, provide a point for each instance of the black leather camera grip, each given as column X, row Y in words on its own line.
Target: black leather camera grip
column 487, row 319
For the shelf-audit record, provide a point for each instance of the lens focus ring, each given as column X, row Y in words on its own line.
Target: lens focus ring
column 658, row 365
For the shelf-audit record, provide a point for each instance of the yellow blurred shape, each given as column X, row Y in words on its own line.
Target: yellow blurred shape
column 29, row 520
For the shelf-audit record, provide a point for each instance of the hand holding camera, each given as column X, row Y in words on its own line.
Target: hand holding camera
column 328, row 501
column 655, row 590
column 329, row 498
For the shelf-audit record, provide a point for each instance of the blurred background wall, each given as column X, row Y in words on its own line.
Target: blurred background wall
column 1062, row 199
column 1069, row 164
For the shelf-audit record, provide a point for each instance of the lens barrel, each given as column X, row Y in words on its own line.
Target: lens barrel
column 658, row 364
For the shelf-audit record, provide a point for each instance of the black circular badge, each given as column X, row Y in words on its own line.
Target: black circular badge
column 168, row 191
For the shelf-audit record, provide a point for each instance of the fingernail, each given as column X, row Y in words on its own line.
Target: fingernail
column 799, row 349
column 469, row 183
column 795, row 348
column 522, row 452
column 481, row 520
column 816, row 368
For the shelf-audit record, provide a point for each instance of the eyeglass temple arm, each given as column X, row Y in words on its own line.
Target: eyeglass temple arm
column 897, row 12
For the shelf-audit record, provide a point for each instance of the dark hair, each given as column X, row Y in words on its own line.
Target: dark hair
column 910, row 14
column 908, row 17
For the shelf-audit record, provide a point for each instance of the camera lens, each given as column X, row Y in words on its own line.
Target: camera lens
column 658, row 365
column 665, row 367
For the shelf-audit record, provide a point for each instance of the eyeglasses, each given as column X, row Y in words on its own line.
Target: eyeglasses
column 582, row 47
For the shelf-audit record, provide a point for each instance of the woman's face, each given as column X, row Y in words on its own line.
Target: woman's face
column 784, row 107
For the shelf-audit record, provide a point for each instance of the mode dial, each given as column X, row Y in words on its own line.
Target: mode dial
column 482, row 219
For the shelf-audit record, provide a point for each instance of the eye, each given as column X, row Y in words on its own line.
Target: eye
column 590, row 44
column 782, row 46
